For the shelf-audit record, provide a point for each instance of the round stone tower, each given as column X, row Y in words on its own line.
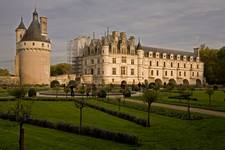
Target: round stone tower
column 33, row 52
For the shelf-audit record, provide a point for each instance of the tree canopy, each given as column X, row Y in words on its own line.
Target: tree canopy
column 214, row 63
column 60, row 69
column 4, row 72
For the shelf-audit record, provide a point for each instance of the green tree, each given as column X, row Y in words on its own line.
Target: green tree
column 80, row 104
column 60, row 69
column 209, row 92
column 149, row 96
column 186, row 94
column 66, row 90
column 4, row 72
column 82, row 91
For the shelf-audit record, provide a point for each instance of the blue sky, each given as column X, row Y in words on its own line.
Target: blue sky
column 178, row 24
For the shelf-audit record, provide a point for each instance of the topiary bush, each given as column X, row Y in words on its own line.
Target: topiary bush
column 126, row 93
column 32, row 92
column 102, row 93
column 54, row 84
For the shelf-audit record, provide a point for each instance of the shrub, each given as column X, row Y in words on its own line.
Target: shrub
column 135, row 87
column 32, row 92
column 17, row 92
column 126, row 93
column 54, row 84
column 102, row 93
column 215, row 87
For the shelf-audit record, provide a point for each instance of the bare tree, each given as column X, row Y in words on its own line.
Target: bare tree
column 80, row 104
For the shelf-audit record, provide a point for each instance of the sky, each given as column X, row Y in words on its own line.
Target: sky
column 173, row 24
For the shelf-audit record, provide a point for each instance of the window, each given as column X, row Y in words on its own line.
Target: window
column 171, row 64
column 114, row 71
column 43, row 44
column 152, row 72
column 112, row 80
column 157, row 63
column 92, row 71
column 21, row 36
column 124, row 60
column 197, row 66
column 157, row 72
column 33, row 43
column 193, row 74
column 98, row 70
column 132, row 71
column 197, row 74
column 123, row 71
column 180, row 73
column 150, row 63
column 113, row 60
column 165, row 73
column 178, row 65
column 184, row 73
column 191, row 66
column 171, row 73
column 92, row 61
column 164, row 64
column 24, row 43
column 85, row 62
column 132, row 61
column 98, row 61
column 102, row 60
column 184, row 65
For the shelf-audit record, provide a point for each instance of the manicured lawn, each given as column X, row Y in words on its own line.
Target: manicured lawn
column 165, row 132
column 217, row 102
column 37, row 138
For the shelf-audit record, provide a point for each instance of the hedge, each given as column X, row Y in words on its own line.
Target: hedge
column 87, row 131
column 125, row 116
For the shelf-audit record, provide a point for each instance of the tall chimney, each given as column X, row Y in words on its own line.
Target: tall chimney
column 44, row 21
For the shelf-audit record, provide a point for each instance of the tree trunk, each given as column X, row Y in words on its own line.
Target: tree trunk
column 209, row 100
column 188, row 109
column 21, row 137
column 80, row 118
column 149, row 109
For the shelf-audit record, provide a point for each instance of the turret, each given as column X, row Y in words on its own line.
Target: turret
column 105, row 46
column 140, row 50
column 20, row 31
column 140, row 53
column 44, row 26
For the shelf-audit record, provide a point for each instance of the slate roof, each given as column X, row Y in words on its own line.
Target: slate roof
column 33, row 33
column 21, row 25
column 168, row 51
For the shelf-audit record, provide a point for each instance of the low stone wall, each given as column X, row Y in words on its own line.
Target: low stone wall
column 63, row 79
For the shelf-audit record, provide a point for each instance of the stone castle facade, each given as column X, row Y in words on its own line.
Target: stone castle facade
column 33, row 50
column 115, row 58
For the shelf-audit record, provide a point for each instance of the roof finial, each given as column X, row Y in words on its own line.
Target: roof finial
column 107, row 31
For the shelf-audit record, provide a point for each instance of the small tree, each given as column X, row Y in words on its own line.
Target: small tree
column 82, row 91
column 80, row 104
column 210, row 92
column 126, row 93
column 119, row 102
column 102, row 93
column 22, row 111
column 54, row 83
column 149, row 96
column 186, row 94
column 66, row 90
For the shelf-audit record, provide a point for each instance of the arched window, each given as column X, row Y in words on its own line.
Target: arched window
column 33, row 43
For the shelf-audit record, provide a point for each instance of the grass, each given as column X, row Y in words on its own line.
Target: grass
column 37, row 138
column 217, row 102
column 165, row 132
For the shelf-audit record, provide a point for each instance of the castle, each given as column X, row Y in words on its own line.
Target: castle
column 33, row 50
column 115, row 58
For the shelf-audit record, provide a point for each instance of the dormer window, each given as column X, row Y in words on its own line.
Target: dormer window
column 184, row 58
column 150, row 54
column 157, row 55
column 197, row 58
column 164, row 55
column 178, row 57
column 171, row 56
column 191, row 58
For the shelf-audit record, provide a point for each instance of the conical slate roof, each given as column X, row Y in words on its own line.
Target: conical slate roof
column 21, row 25
column 139, row 45
column 33, row 33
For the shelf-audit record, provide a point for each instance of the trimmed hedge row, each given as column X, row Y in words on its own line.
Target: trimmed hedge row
column 181, row 97
column 165, row 112
column 125, row 116
column 87, row 131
